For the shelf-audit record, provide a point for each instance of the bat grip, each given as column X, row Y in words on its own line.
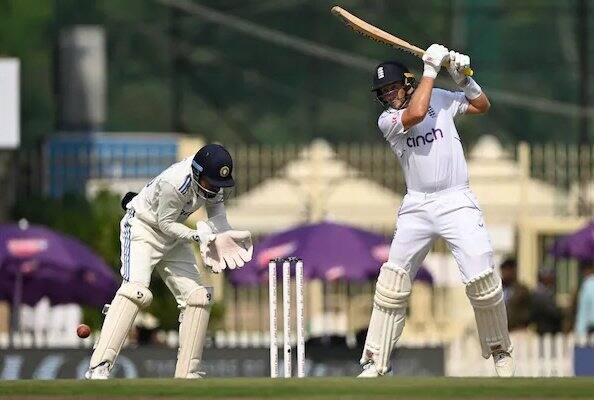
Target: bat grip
column 468, row 71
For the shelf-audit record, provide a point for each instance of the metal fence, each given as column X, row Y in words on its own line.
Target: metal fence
column 565, row 166
column 568, row 167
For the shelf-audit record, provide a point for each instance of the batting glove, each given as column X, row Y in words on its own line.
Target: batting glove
column 458, row 63
column 434, row 56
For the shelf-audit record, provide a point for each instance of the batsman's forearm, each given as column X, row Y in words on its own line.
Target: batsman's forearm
column 481, row 103
column 422, row 94
column 419, row 103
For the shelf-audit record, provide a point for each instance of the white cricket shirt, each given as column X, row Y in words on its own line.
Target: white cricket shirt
column 430, row 153
column 170, row 198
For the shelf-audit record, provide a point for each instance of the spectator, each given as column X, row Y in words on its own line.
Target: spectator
column 547, row 316
column 516, row 296
column 584, row 320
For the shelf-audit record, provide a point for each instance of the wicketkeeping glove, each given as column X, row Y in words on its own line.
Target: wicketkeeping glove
column 230, row 249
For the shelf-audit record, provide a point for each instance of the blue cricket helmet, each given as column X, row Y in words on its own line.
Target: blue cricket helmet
column 214, row 163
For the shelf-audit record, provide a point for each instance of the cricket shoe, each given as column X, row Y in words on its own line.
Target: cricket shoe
column 504, row 364
column 196, row 375
column 101, row 371
column 369, row 371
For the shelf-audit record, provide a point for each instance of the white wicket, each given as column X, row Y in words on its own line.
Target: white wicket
column 300, row 319
column 272, row 315
column 287, row 317
column 299, row 300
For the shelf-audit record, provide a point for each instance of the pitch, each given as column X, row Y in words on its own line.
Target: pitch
column 310, row 388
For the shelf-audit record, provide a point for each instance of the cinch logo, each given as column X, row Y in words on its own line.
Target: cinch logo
column 424, row 139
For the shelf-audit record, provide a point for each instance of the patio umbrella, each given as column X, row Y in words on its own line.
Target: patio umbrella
column 578, row 245
column 329, row 251
column 37, row 262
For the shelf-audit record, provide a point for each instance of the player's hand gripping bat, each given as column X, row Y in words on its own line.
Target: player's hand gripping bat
column 366, row 29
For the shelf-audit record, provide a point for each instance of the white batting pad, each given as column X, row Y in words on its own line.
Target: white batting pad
column 486, row 296
column 129, row 298
column 387, row 318
column 192, row 332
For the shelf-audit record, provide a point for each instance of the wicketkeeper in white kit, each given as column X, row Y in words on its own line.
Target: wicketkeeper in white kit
column 418, row 123
column 153, row 236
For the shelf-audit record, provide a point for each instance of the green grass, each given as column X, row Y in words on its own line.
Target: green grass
column 318, row 388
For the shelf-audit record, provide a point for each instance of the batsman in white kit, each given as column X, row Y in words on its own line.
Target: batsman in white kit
column 418, row 124
column 153, row 236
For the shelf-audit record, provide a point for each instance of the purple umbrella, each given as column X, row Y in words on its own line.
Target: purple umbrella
column 329, row 251
column 36, row 262
column 578, row 245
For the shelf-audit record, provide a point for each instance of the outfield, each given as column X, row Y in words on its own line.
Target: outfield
column 318, row 388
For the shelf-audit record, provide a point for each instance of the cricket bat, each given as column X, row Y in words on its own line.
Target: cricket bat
column 372, row 32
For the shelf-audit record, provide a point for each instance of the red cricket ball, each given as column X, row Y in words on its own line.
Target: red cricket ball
column 83, row 331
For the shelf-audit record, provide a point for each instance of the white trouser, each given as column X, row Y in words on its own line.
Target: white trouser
column 454, row 215
column 143, row 249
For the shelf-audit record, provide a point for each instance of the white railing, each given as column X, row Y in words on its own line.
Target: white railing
column 30, row 340
column 535, row 356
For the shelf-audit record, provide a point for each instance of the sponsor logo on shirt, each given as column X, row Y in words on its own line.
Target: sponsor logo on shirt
column 185, row 213
column 422, row 140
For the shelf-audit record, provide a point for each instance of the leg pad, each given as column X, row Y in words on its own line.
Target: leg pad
column 485, row 293
column 192, row 332
column 387, row 318
column 129, row 298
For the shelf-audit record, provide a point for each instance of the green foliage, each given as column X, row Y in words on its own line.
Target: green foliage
column 172, row 71
column 25, row 33
column 97, row 224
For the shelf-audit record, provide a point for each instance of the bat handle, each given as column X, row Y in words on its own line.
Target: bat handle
column 467, row 71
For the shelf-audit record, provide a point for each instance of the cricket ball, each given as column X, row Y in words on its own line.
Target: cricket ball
column 83, row 331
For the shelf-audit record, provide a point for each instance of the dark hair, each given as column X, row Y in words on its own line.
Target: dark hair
column 509, row 262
